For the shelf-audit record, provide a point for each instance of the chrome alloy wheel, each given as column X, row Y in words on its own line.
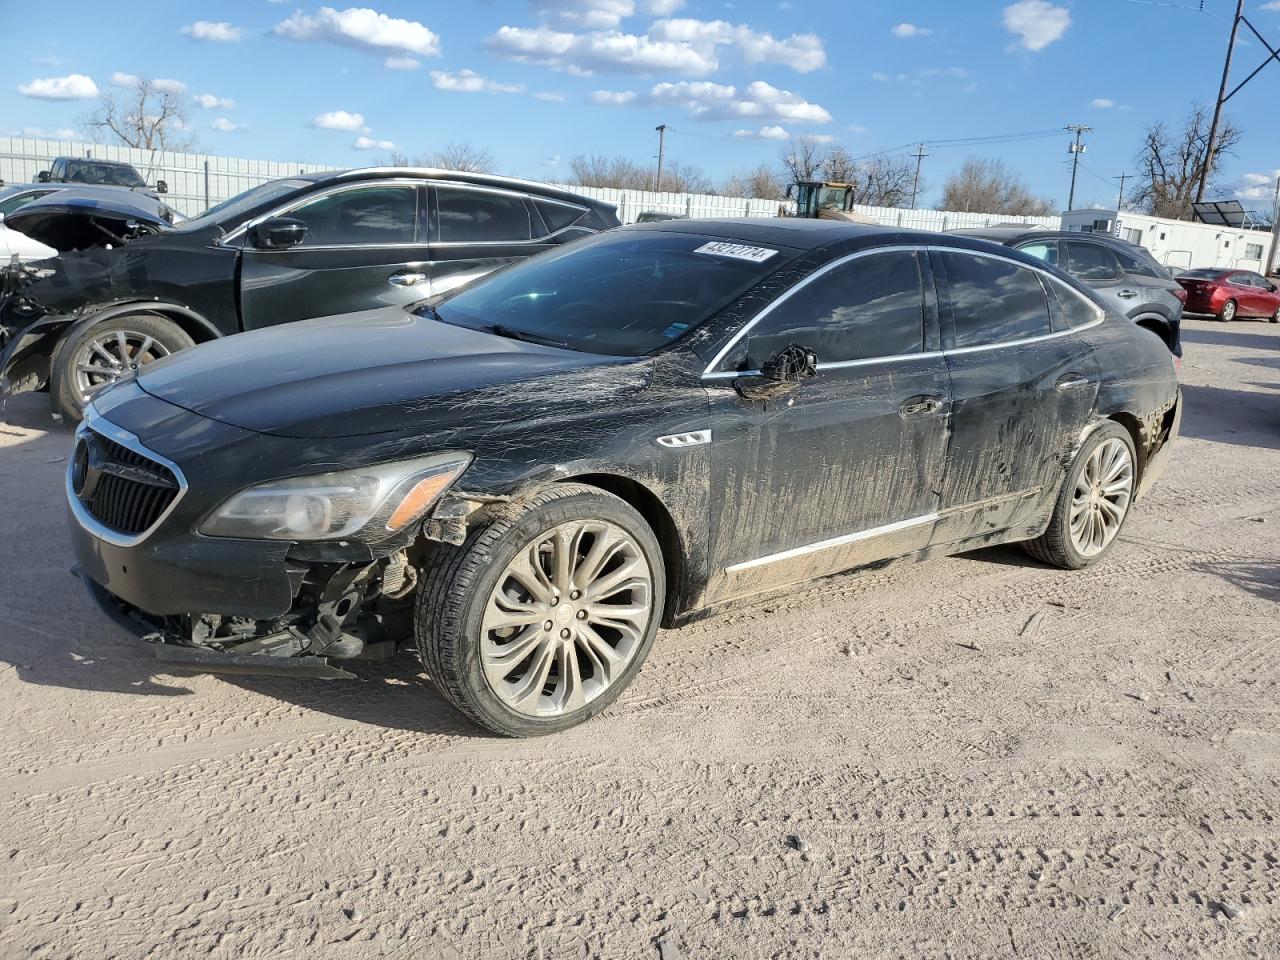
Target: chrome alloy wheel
column 1229, row 311
column 106, row 358
column 566, row 618
column 1103, row 492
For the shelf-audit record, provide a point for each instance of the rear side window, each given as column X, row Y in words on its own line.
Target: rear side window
column 1070, row 307
column 993, row 301
column 1133, row 263
column 479, row 216
column 557, row 216
column 364, row 216
column 1091, row 262
column 1046, row 250
column 869, row 307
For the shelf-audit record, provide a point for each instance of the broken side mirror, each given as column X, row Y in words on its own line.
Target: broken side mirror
column 779, row 375
column 278, row 233
column 42, row 176
column 162, row 187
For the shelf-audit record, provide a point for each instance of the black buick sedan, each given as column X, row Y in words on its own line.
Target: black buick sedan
column 526, row 478
column 307, row 246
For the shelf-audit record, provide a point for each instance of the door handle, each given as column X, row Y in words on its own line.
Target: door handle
column 919, row 406
column 407, row 279
column 1073, row 381
column 1127, row 294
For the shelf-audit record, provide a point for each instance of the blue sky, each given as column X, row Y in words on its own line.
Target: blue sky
column 538, row 81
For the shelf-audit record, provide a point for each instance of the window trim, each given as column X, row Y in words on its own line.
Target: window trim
column 294, row 203
column 525, row 198
column 709, row 373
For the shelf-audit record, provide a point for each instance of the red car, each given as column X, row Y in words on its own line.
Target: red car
column 1229, row 294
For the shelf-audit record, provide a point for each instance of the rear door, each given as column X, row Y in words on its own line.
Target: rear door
column 476, row 230
column 846, row 469
column 1023, row 385
column 1242, row 292
column 362, row 250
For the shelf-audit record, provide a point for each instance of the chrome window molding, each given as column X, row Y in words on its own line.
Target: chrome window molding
column 96, row 422
column 710, row 373
column 841, row 541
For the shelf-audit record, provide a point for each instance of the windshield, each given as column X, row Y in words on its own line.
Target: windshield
column 831, row 197
column 242, row 203
column 111, row 174
column 623, row 293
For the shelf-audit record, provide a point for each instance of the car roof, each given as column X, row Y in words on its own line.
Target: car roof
column 105, row 163
column 797, row 233
column 459, row 176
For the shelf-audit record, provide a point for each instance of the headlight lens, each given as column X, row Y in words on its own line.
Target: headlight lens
column 368, row 503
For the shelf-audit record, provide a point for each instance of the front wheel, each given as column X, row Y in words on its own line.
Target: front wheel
column 1228, row 311
column 541, row 620
column 105, row 352
column 1093, row 502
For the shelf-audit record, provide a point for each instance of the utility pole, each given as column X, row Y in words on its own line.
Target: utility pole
column 662, row 136
column 1120, row 202
column 1223, row 97
column 1075, row 149
column 915, row 184
column 1269, row 266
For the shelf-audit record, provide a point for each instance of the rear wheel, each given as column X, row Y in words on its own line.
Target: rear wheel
column 541, row 620
column 1093, row 502
column 105, row 352
column 1228, row 311
column 1275, row 317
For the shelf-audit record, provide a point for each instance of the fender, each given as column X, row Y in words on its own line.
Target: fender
column 196, row 325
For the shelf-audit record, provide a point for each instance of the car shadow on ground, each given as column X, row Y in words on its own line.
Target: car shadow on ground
column 28, row 411
column 1246, row 418
column 1257, row 576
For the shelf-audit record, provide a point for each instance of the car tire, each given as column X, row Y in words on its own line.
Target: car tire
column 1066, row 542
column 1228, row 311
column 1275, row 317
column 143, row 337
column 487, row 626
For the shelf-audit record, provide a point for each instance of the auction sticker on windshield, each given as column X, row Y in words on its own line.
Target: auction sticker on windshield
column 739, row 251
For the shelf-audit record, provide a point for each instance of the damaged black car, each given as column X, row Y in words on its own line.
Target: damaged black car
column 130, row 289
column 522, row 480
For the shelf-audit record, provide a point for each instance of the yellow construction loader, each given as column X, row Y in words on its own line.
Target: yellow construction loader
column 822, row 200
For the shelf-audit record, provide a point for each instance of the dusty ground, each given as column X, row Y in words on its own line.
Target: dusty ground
column 978, row 757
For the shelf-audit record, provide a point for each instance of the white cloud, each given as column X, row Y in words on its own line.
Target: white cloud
column 548, row 97
column 62, row 133
column 119, row 79
column 802, row 52
column 662, row 8
column 362, row 28
column 340, row 120
column 1271, row 5
column 764, row 133
column 208, row 101
column 759, row 101
column 919, row 77
column 223, row 125
column 589, row 14
column 552, row 161
column 215, row 31
column 74, row 86
column 906, row 30
column 614, row 98
column 401, row 63
column 468, row 81
column 1102, row 103
column 1037, row 23
column 685, row 47
column 368, row 143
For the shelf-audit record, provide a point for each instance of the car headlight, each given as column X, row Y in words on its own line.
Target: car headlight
column 368, row 503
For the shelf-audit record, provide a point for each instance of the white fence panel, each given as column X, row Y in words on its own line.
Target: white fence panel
column 198, row 180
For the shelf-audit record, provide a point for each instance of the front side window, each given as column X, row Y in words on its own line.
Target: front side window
column 993, row 300
column 623, row 294
column 362, row 216
column 1091, row 262
column 872, row 306
column 480, row 216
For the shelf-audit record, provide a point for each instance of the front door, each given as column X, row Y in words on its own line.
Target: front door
column 845, row 469
column 362, row 250
column 477, row 230
column 1023, row 384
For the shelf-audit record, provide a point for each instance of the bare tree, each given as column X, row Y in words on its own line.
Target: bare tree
column 762, row 183
column 460, row 156
column 988, row 186
column 622, row 173
column 144, row 116
column 883, row 181
column 803, row 158
column 1172, row 163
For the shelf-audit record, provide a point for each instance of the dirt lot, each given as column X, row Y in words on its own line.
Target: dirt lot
column 976, row 757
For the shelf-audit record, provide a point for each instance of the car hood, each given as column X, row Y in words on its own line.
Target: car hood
column 66, row 220
column 376, row 371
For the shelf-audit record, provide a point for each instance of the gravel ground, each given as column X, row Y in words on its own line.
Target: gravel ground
column 974, row 757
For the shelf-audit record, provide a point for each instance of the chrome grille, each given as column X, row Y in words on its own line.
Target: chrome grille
column 119, row 487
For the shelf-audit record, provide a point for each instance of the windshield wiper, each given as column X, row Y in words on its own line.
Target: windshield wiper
column 502, row 330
